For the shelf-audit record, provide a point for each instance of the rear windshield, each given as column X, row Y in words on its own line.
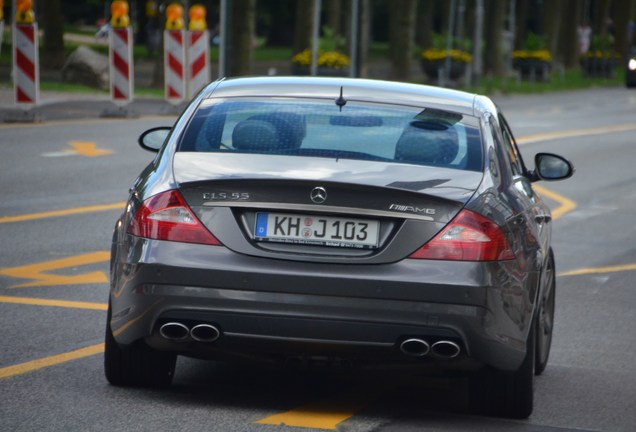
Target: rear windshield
column 323, row 128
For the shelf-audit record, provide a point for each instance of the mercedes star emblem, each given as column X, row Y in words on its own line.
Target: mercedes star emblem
column 318, row 195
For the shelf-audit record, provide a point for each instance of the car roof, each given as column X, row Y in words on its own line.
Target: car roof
column 362, row 90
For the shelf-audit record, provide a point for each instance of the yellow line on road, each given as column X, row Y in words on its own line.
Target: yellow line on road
column 57, row 303
column 64, row 212
column 575, row 133
column 37, row 271
column 34, row 365
column 326, row 414
column 566, row 205
column 599, row 270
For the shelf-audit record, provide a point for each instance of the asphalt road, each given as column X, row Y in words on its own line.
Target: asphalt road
column 63, row 184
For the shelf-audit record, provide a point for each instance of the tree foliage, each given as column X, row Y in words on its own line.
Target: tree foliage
column 400, row 24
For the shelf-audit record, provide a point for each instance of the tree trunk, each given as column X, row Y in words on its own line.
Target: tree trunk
column 303, row 25
column 158, row 74
column 345, row 20
column 334, row 16
column 401, row 38
column 623, row 11
column 242, row 36
column 365, row 37
column 552, row 14
column 495, row 17
column 53, row 25
column 424, row 28
column 568, row 48
column 521, row 29
column 601, row 17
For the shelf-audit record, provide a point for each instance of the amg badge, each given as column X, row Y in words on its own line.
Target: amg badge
column 412, row 209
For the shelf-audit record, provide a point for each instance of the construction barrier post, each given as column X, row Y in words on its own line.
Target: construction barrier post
column 198, row 51
column 26, row 62
column 120, row 54
column 174, row 55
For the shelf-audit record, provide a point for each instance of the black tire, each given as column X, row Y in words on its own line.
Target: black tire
column 504, row 394
column 545, row 319
column 137, row 365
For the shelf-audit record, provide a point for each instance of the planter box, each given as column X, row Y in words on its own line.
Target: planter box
column 532, row 69
column 432, row 68
column 598, row 67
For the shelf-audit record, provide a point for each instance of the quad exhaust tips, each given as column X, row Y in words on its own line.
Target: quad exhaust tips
column 176, row 331
column 416, row 347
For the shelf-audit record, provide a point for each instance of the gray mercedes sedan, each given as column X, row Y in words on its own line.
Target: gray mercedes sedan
column 364, row 221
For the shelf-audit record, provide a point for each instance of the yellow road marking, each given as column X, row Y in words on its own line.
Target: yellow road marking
column 575, row 133
column 87, row 148
column 599, row 270
column 36, row 271
column 57, row 303
column 566, row 205
column 34, row 365
column 65, row 212
column 325, row 414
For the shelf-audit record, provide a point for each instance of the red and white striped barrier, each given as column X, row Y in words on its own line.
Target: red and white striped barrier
column 26, row 75
column 121, row 65
column 198, row 61
column 174, row 65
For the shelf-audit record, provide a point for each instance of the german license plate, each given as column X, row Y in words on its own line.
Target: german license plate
column 317, row 230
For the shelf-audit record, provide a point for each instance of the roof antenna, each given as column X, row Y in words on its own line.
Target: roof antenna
column 341, row 101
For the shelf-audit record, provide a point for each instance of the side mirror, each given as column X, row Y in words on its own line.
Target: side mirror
column 549, row 166
column 154, row 138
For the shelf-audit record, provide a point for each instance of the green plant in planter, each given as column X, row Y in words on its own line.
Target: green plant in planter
column 330, row 61
column 435, row 59
column 534, row 61
column 601, row 60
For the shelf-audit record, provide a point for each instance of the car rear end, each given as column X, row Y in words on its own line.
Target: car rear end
column 320, row 227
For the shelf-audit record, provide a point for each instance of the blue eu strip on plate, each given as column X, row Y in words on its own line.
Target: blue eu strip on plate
column 261, row 225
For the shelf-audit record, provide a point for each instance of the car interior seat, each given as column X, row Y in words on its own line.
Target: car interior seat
column 288, row 128
column 427, row 143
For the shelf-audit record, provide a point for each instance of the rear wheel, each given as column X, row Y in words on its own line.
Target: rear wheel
column 137, row 365
column 505, row 394
column 545, row 319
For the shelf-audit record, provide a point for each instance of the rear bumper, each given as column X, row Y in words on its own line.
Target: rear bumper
column 269, row 307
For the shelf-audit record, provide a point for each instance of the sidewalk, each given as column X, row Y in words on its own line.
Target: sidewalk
column 56, row 105
column 76, row 105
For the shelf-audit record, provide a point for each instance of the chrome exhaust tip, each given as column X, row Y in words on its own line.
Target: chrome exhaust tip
column 205, row 333
column 446, row 349
column 174, row 331
column 415, row 347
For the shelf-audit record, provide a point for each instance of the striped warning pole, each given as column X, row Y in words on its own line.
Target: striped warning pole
column 198, row 53
column 174, row 64
column 26, row 62
column 174, row 55
column 120, row 54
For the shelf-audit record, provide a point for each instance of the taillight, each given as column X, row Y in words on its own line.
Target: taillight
column 469, row 237
column 166, row 216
